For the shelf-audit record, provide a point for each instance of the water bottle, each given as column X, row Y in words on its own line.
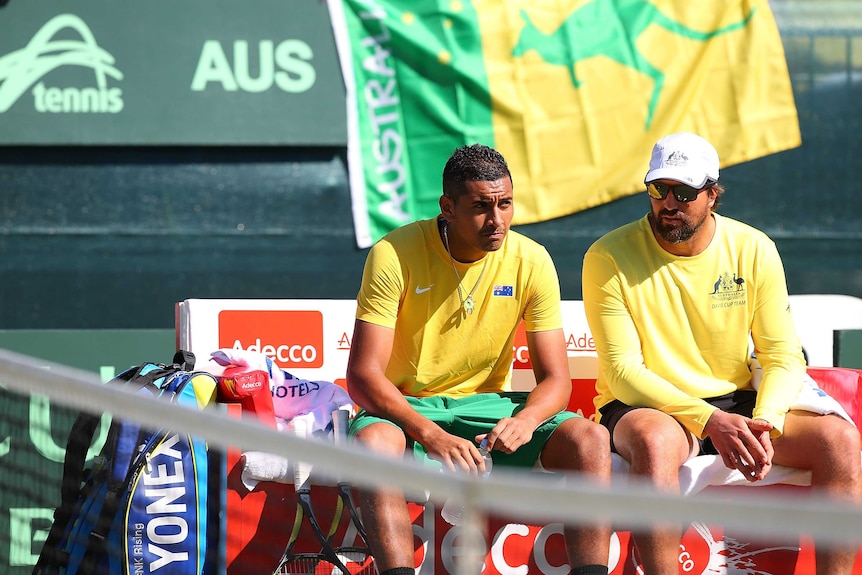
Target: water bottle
column 453, row 511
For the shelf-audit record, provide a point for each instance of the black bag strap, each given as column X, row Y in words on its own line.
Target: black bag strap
column 80, row 439
column 184, row 359
column 97, row 539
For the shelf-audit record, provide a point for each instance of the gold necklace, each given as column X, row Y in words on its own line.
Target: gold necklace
column 466, row 304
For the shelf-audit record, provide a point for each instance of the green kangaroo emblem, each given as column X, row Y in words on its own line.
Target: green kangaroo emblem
column 609, row 28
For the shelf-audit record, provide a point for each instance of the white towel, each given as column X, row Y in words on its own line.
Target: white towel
column 811, row 397
column 814, row 399
column 705, row 470
column 258, row 466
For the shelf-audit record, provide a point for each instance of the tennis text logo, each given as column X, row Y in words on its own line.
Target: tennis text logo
column 540, row 550
column 292, row 339
column 32, row 67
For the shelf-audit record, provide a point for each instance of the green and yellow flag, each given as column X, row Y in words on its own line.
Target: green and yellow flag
column 573, row 94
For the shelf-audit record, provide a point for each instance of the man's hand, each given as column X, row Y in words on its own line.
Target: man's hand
column 509, row 434
column 743, row 443
column 455, row 453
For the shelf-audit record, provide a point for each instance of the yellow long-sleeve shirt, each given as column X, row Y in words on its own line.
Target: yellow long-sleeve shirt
column 671, row 331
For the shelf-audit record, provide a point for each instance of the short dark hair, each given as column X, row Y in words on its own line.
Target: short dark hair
column 474, row 163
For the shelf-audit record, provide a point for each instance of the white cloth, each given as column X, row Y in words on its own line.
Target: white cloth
column 705, row 470
column 260, row 466
column 814, row 399
column 811, row 397
column 298, row 404
column 292, row 397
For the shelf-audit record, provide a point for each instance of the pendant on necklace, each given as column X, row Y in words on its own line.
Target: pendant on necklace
column 468, row 305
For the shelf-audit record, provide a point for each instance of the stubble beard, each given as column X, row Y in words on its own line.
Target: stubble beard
column 677, row 234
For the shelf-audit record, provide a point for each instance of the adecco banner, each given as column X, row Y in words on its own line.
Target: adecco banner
column 311, row 338
column 197, row 72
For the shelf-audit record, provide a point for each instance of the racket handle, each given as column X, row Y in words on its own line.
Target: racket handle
column 301, row 469
column 340, row 423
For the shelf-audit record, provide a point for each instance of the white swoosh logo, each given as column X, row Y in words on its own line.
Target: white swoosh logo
column 420, row 290
column 21, row 69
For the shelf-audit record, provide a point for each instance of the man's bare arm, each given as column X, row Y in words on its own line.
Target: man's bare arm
column 369, row 387
column 551, row 394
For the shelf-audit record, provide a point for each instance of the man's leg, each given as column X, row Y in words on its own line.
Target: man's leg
column 384, row 511
column 580, row 445
column 655, row 445
column 830, row 447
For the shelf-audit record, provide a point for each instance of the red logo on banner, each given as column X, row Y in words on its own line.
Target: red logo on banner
column 291, row 339
column 582, row 342
column 237, row 383
column 521, row 355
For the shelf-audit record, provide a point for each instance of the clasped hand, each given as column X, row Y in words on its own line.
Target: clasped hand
column 456, row 453
column 742, row 442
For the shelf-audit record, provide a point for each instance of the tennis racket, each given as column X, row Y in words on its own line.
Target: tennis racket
column 339, row 432
column 329, row 560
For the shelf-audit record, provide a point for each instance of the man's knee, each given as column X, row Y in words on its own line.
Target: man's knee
column 651, row 438
column 580, row 444
column 382, row 438
column 590, row 435
column 849, row 438
column 843, row 440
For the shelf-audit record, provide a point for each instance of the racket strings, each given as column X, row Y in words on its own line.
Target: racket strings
column 356, row 560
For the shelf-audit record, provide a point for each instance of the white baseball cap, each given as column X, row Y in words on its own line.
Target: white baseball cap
column 683, row 157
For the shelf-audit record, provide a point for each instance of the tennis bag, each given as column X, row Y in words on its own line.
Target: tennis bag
column 150, row 502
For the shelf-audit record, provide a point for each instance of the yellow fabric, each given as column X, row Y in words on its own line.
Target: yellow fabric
column 580, row 90
column 672, row 330
column 204, row 386
column 438, row 350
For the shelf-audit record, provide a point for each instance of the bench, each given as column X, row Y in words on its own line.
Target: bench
column 311, row 339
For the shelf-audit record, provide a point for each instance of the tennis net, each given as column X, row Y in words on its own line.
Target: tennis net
column 40, row 399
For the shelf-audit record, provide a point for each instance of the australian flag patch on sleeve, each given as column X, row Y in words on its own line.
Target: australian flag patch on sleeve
column 503, row 290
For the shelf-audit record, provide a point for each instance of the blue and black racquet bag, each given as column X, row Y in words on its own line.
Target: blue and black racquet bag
column 149, row 503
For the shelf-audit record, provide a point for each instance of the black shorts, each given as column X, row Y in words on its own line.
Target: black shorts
column 740, row 402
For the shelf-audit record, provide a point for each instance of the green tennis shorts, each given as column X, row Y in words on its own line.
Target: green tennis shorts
column 470, row 416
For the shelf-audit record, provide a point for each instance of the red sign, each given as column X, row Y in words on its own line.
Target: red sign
column 292, row 339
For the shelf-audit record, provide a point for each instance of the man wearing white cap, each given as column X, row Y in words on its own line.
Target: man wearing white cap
column 673, row 301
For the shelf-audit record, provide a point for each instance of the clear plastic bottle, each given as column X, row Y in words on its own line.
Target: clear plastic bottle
column 453, row 511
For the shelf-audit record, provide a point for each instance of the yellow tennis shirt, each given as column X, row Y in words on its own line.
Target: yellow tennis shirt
column 671, row 331
column 409, row 285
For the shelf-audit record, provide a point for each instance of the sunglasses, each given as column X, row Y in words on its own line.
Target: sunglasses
column 681, row 192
